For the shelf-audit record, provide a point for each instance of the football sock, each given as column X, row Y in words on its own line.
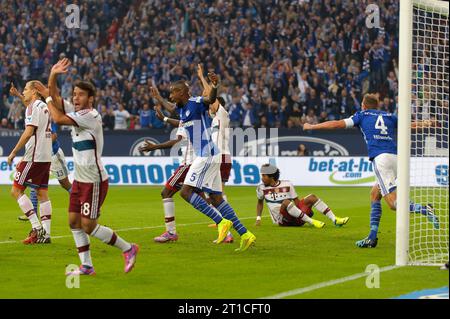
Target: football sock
column 169, row 215
column 324, row 209
column 201, row 205
column 228, row 213
column 27, row 208
column 82, row 242
column 375, row 217
column 294, row 211
column 46, row 215
column 34, row 199
column 108, row 236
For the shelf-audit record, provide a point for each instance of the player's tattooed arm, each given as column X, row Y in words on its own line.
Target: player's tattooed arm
column 329, row 125
column 215, row 84
column 59, row 68
column 154, row 93
column 161, row 117
column 259, row 209
column 149, row 146
column 26, row 135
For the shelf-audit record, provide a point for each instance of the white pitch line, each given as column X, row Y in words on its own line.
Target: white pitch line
column 128, row 229
column 324, row 284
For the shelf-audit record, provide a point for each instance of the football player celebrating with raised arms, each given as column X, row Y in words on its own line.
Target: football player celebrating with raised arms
column 33, row 170
column 90, row 184
column 379, row 130
column 58, row 165
column 285, row 208
column 204, row 173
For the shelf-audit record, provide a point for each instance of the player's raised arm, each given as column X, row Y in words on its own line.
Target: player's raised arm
column 205, row 84
column 56, row 113
column 215, row 84
column 329, row 125
column 154, row 93
column 59, row 68
column 149, row 146
column 14, row 92
column 162, row 117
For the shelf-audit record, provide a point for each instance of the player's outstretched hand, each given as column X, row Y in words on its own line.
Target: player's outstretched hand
column 62, row 66
column 154, row 93
column 149, row 146
column 199, row 70
column 43, row 90
column 307, row 126
column 13, row 91
column 214, row 78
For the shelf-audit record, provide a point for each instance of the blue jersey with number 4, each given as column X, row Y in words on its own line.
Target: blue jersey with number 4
column 197, row 124
column 379, row 129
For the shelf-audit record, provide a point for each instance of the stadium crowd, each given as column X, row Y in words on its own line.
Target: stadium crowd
column 282, row 63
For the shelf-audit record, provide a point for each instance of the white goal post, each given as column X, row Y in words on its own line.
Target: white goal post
column 423, row 153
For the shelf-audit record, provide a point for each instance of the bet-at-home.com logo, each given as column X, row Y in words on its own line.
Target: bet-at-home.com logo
column 352, row 171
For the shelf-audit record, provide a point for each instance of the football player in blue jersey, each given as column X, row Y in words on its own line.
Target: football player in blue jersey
column 204, row 173
column 379, row 129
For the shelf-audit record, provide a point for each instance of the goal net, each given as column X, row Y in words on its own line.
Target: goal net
column 426, row 239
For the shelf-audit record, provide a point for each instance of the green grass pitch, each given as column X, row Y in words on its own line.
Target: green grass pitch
column 283, row 258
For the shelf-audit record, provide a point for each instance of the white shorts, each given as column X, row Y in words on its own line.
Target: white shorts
column 385, row 167
column 204, row 174
column 59, row 165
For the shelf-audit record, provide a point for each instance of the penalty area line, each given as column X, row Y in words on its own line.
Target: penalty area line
column 324, row 284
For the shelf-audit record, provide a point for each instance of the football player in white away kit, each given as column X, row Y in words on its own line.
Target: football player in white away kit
column 33, row 170
column 90, row 184
column 285, row 208
column 58, row 165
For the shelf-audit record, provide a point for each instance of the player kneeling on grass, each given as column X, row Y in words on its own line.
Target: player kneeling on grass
column 285, row 208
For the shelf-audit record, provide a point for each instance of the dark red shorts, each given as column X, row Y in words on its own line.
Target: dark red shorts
column 32, row 174
column 87, row 198
column 225, row 167
column 289, row 220
column 175, row 182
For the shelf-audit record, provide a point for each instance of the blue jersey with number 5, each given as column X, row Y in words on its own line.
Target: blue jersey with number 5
column 379, row 129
